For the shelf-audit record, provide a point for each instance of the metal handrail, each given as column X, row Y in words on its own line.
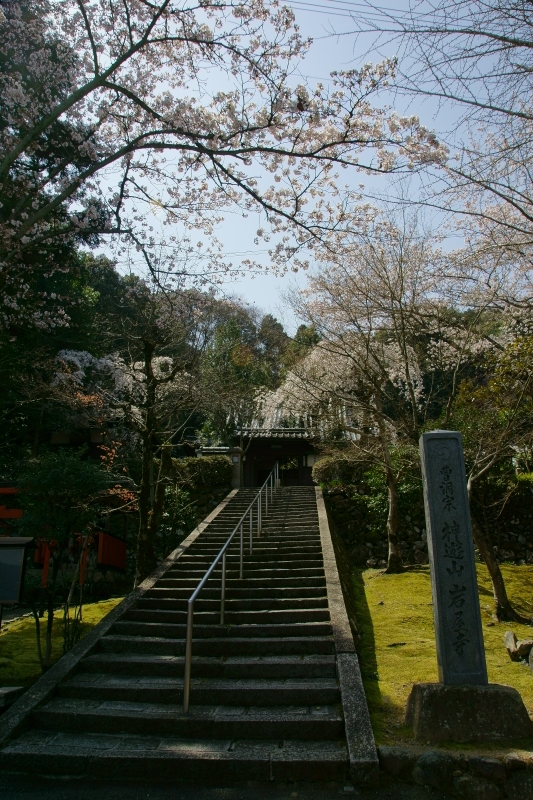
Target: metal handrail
column 273, row 480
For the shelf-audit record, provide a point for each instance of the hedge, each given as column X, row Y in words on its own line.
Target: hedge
column 203, row 472
column 338, row 470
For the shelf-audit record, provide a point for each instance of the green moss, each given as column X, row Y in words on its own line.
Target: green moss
column 395, row 618
column 19, row 663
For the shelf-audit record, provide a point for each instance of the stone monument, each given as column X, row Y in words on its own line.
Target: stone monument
column 463, row 707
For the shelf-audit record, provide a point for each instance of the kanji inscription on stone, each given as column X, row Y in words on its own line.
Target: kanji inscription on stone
column 460, row 650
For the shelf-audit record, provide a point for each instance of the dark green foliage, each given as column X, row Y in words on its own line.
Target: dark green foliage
column 357, row 497
column 338, row 470
column 179, row 518
column 200, row 483
column 59, row 494
column 203, row 472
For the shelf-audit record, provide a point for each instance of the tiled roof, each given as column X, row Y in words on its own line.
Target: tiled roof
column 276, row 433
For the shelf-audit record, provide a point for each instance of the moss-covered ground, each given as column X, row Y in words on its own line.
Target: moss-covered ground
column 395, row 618
column 19, row 662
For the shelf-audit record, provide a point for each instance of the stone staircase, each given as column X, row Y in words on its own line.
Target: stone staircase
column 265, row 699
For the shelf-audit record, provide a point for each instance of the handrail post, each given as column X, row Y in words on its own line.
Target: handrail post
column 223, row 589
column 259, row 515
column 251, row 528
column 241, row 575
column 266, row 498
column 188, row 658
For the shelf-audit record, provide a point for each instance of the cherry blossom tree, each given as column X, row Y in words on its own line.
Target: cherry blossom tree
column 474, row 58
column 391, row 354
column 109, row 113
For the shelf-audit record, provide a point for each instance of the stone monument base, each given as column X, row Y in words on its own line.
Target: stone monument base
column 492, row 713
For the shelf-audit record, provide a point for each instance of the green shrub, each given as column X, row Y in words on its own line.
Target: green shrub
column 338, row 470
column 203, row 472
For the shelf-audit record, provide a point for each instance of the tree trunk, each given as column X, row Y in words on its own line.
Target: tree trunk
column 146, row 558
column 38, row 635
column 394, row 561
column 49, row 628
column 163, row 480
column 503, row 607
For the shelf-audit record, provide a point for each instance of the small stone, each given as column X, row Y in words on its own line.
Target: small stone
column 397, row 761
column 421, row 557
column 509, row 640
column 489, row 768
column 372, row 562
column 513, row 762
column 457, row 773
column 520, row 785
column 469, row 788
column 524, row 647
column 435, row 769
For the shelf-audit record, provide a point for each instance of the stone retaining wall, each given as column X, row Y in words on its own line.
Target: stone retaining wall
column 460, row 775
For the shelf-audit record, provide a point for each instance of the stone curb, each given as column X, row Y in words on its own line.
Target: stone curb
column 459, row 774
column 364, row 764
column 18, row 716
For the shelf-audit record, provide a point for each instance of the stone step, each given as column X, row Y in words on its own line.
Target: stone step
column 283, row 516
column 160, row 645
column 171, row 758
column 175, row 631
column 266, row 667
column 275, row 616
column 236, row 593
column 270, row 559
column 202, row 564
column 309, row 582
column 202, row 722
column 258, row 572
column 245, row 604
column 204, row 691
column 259, row 543
column 261, row 548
